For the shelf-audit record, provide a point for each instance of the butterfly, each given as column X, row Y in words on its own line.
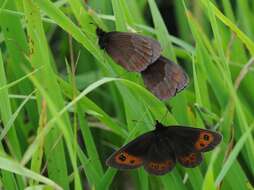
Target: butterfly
column 137, row 53
column 159, row 150
column 132, row 51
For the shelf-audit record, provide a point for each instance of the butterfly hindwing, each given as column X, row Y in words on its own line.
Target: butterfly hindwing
column 132, row 51
column 131, row 155
column 160, row 158
column 164, row 78
column 190, row 160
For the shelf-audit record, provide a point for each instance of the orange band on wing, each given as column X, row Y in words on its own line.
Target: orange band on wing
column 190, row 160
column 125, row 158
column 160, row 166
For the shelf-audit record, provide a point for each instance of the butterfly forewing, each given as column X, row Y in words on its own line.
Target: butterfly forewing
column 132, row 51
column 131, row 155
column 164, row 78
column 189, row 143
column 193, row 139
column 207, row 140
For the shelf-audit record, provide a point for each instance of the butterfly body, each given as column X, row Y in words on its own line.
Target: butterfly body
column 159, row 150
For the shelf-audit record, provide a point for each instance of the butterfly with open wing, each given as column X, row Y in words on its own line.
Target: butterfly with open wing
column 160, row 149
column 137, row 53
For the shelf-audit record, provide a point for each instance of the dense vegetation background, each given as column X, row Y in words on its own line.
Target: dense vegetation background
column 65, row 106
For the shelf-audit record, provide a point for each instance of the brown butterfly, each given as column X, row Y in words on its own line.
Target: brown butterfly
column 132, row 51
column 160, row 149
column 137, row 53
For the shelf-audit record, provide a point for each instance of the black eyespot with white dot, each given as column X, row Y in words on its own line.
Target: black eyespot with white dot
column 206, row 137
column 122, row 157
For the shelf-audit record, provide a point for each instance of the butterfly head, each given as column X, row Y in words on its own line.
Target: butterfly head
column 101, row 35
column 158, row 125
column 100, row 32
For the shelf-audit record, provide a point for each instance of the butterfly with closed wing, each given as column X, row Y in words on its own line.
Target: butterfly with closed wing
column 159, row 150
column 137, row 53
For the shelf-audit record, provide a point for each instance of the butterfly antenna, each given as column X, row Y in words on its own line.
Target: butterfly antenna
column 207, row 116
column 142, row 119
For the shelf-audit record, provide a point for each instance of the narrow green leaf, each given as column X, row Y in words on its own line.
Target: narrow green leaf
column 12, row 166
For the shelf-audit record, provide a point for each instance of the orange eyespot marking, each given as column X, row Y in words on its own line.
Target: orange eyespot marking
column 160, row 166
column 125, row 158
column 189, row 158
column 204, row 139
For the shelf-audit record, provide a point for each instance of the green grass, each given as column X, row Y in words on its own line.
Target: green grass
column 57, row 87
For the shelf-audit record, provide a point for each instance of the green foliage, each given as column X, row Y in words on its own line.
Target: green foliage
column 65, row 106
